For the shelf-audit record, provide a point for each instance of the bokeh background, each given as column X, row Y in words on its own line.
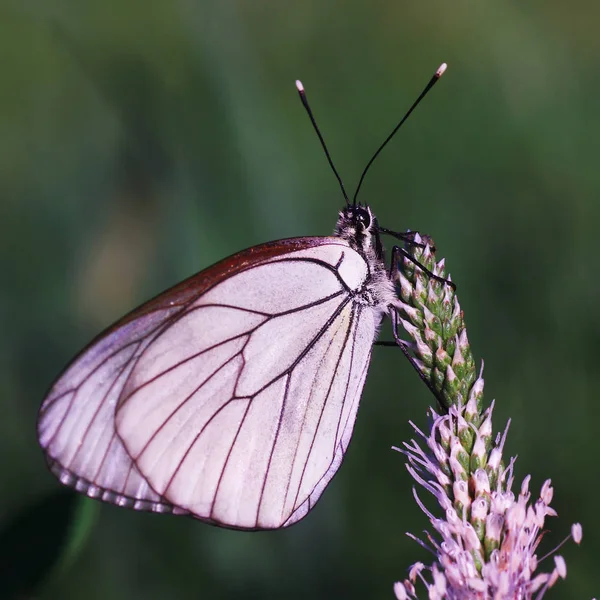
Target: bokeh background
column 142, row 141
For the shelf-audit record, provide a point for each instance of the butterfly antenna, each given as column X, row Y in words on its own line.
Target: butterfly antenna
column 431, row 83
column 314, row 123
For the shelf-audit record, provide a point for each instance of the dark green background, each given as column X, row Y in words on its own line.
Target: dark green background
column 142, row 141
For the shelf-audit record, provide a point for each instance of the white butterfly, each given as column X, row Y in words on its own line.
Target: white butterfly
column 232, row 396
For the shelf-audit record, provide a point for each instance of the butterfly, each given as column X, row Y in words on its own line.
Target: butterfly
column 232, row 396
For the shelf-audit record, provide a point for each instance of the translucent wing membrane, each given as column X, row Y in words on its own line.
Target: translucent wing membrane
column 231, row 397
column 76, row 423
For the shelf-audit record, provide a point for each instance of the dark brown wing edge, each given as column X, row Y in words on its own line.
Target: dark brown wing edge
column 188, row 290
column 193, row 287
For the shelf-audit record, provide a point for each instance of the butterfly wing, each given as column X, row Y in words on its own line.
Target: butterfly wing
column 231, row 397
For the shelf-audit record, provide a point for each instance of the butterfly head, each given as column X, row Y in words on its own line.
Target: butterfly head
column 358, row 226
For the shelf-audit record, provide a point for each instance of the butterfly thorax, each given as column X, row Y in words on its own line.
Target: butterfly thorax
column 357, row 225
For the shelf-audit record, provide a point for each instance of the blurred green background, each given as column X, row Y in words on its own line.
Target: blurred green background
column 142, row 141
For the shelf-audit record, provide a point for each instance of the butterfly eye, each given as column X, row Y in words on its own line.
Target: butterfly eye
column 363, row 216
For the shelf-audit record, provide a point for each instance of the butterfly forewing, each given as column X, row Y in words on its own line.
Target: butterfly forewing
column 231, row 397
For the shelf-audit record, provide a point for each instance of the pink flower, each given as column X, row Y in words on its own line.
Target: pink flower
column 485, row 540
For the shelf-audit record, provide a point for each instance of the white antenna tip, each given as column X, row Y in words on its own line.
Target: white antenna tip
column 299, row 85
column 441, row 70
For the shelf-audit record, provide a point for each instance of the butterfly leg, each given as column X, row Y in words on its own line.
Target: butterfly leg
column 408, row 237
column 406, row 347
column 398, row 251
